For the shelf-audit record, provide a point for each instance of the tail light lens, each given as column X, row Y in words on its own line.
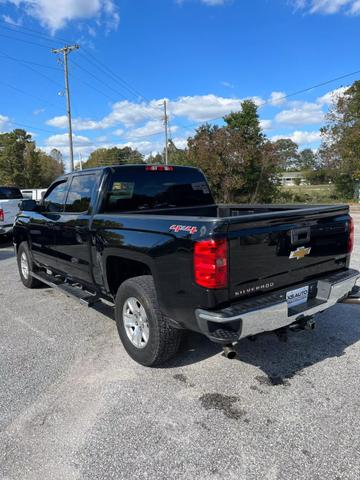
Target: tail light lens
column 351, row 235
column 210, row 263
column 1, row 215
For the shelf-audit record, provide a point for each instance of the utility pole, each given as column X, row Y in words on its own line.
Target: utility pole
column 166, row 120
column 65, row 51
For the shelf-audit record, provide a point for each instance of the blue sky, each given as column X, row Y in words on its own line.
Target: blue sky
column 203, row 56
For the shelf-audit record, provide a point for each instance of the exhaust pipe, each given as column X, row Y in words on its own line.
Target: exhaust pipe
column 351, row 301
column 229, row 351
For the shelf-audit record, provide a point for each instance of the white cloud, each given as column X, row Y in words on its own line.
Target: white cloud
column 62, row 140
column 152, row 127
column 266, row 124
column 303, row 113
column 12, row 21
column 199, row 108
column 55, row 14
column 4, row 121
column 277, row 98
column 213, row 3
column 329, row 7
column 227, row 84
column 331, row 96
column 38, row 111
column 300, row 137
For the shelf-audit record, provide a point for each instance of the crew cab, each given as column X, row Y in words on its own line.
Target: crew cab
column 151, row 239
column 9, row 200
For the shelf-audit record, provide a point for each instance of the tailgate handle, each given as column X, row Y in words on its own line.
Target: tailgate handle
column 300, row 235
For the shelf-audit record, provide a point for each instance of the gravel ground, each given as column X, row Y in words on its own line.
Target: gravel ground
column 73, row 405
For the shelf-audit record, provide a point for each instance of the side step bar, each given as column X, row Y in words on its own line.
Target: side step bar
column 71, row 290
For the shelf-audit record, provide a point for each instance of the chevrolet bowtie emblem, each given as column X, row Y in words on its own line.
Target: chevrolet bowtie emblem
column 300, row 252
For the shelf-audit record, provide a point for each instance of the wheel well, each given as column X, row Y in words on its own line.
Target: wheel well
column 20, row 237
column 120, row 269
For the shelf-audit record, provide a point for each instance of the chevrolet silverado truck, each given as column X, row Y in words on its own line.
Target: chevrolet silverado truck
column 9, row 200
column 151, row 240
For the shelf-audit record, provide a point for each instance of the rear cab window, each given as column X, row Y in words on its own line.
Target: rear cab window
column 141, row 189
column 10, row 193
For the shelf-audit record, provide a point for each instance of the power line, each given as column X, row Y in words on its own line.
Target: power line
column 27, row 94
column 107, row 71
column 23, row 41
column 51, row 80
column 98, row 79
column 20, row 60
column 31, row 127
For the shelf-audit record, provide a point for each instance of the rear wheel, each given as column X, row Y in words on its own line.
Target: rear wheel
column 146, row 334
column 26, row 266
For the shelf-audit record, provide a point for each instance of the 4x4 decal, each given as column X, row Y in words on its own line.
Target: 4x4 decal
column 183, row 228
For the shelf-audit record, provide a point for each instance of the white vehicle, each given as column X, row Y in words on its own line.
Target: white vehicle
column 34, row 193
column 9, row 200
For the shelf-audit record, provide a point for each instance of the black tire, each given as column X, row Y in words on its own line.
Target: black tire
column 28, row 281
column 163, row 340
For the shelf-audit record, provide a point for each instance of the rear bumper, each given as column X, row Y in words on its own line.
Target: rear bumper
column 268, row 312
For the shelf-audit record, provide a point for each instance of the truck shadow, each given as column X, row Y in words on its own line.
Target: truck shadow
column 336, row 330
column 6, row 250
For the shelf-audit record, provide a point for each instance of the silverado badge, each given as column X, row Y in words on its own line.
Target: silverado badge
column 300, row 253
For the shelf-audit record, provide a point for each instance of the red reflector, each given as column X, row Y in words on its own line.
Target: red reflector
column 210, row 263
column 1, row 215
column 159, row 168
column 351, row 240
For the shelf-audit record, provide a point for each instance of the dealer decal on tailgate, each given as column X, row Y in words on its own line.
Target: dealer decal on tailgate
column 183, row 228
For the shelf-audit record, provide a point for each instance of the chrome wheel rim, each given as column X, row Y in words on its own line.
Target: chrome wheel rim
column 136, row 322
column 24, row 264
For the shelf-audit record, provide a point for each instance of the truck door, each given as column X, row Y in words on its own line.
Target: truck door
column 72, row 235
column 43, row 223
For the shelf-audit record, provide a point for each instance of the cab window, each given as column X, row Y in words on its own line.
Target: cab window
column 80, row 192
column 55, row 199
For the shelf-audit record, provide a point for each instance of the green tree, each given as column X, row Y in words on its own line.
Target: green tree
column 287, row 153
column 307, row 160
column 113, row 156
column 12, row 162
column 259, row 164
column 340, row 149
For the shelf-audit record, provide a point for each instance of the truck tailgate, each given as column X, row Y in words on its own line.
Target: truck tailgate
column 271, row 251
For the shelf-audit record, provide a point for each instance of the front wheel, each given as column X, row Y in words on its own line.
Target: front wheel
column 146, row 334
column 26, row 266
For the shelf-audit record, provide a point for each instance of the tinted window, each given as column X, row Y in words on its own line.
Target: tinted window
column 140, row 189
column 55, row 200
column 9, row 193
column 79, row 196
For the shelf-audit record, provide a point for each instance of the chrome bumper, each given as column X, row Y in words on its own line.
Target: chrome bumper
column 234, row 323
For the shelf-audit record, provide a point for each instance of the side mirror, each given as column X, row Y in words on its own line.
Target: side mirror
column 28, row 205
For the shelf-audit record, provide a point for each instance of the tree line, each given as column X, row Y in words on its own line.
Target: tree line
column 239, row 160
column 25, row 166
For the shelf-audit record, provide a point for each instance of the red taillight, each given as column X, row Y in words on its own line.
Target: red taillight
column 1, row 215
column 210, row 263
column 351, row 235
column 159, row 168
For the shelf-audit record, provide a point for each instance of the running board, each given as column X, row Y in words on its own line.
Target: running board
column 70, row 290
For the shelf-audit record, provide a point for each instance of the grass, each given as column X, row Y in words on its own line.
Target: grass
column 309, row 194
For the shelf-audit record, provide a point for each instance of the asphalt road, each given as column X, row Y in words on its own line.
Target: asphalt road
column 73, row 405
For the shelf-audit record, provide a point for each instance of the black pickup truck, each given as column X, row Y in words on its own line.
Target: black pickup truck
column 150, row 239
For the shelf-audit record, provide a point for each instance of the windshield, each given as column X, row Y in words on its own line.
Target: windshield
column 10, row 193
column 141, row 189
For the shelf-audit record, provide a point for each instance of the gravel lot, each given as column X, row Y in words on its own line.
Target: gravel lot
column 74, row 406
